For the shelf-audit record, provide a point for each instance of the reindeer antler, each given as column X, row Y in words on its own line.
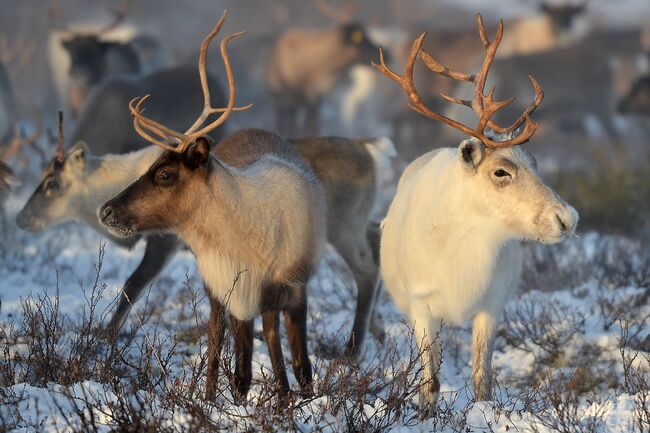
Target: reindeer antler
column 484, row 106
column 146, row 127
column 343, row 15
column 60, row 151
column 19, row 139
column 120, row 14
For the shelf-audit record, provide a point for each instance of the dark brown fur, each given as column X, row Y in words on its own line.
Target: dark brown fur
column 145, row 205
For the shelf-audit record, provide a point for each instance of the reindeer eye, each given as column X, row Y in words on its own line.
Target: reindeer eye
column 52, row 185
column 501, row 173
column 357, row 37
column 165, row 177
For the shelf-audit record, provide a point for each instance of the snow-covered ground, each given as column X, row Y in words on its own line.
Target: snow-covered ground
column 572, row 353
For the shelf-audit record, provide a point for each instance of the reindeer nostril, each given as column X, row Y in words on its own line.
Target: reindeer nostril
column 561, row 222
column 107, row 212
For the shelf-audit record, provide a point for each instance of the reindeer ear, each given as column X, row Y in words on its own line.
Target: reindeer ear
column 198, row 154
column 76, row 159
column 471, row 153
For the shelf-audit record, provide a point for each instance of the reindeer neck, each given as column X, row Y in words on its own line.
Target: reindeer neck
column 228, row 203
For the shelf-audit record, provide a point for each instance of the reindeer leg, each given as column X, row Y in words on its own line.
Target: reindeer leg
column 156, row 255
column 271, row 326
column 377, row 328
column 427, row 330
column 295, row 320
column 216, row 330
column 359, row 259
column 483, row 330
column 243, row 334
column 373, row 235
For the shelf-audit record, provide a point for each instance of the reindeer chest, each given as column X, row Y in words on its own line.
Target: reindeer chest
column 235, row 283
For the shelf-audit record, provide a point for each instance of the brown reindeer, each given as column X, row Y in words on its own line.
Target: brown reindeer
column 257, row 231
column 306, row 64
column 73, row 185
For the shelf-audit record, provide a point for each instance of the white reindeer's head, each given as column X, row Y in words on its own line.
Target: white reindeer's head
column 502, row 187
column 499, row 184
column 56, row 198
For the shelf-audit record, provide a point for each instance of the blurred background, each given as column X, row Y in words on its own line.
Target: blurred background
column 305, row 65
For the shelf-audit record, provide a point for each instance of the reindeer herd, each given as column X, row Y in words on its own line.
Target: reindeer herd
column 257, row 209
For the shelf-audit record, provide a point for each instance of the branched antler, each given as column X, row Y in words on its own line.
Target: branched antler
column 484, row 106
column 19, row 139
column 163, row 136
column 120, row 15
column 343, row 15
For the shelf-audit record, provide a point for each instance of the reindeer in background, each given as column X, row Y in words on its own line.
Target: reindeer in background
column 450, row 245
column 305, row 65
column 91, row 56
column 257, row 231
column 12, row 136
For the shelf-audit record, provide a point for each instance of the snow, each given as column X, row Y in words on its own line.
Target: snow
column 72, row 269
column 63, row 261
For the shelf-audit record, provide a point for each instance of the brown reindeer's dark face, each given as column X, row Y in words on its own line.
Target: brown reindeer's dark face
column 354, row 36
column 86, row 58
column 637, row 101
column 91, row 61
column 163, row 197
column 563, row 15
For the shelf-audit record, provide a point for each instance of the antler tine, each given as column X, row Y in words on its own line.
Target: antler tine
column 19, row 140
column 56, row 11
column 60, row 151
column 163, row 136
column 120, row 14
column 484, row 106
column 160, row 129
column 327, row 9
column 406, row 81
column 203, row 54
column 192, row 134
column 537, row 100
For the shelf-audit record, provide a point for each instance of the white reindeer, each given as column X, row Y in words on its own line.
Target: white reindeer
column 450, row 247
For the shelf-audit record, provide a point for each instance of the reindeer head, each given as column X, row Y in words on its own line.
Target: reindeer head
column 144, row 205
column 355, row 38
column 55, row 199
column 494, row 180
column 352, row 33
column 563, row 15
column 503, row 190
column 91, row 57
column 178, row 176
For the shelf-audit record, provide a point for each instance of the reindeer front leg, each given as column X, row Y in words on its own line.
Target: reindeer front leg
column 483, row 330
column 271, row 327
column 427, row 335
column 216, row 331
column 156, row 255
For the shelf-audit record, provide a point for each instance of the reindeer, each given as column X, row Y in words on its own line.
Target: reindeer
column 305, row 65
column 93, row 56
column 75, row 184
column 450, row 246
column 257, row 231
column 12, row 138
